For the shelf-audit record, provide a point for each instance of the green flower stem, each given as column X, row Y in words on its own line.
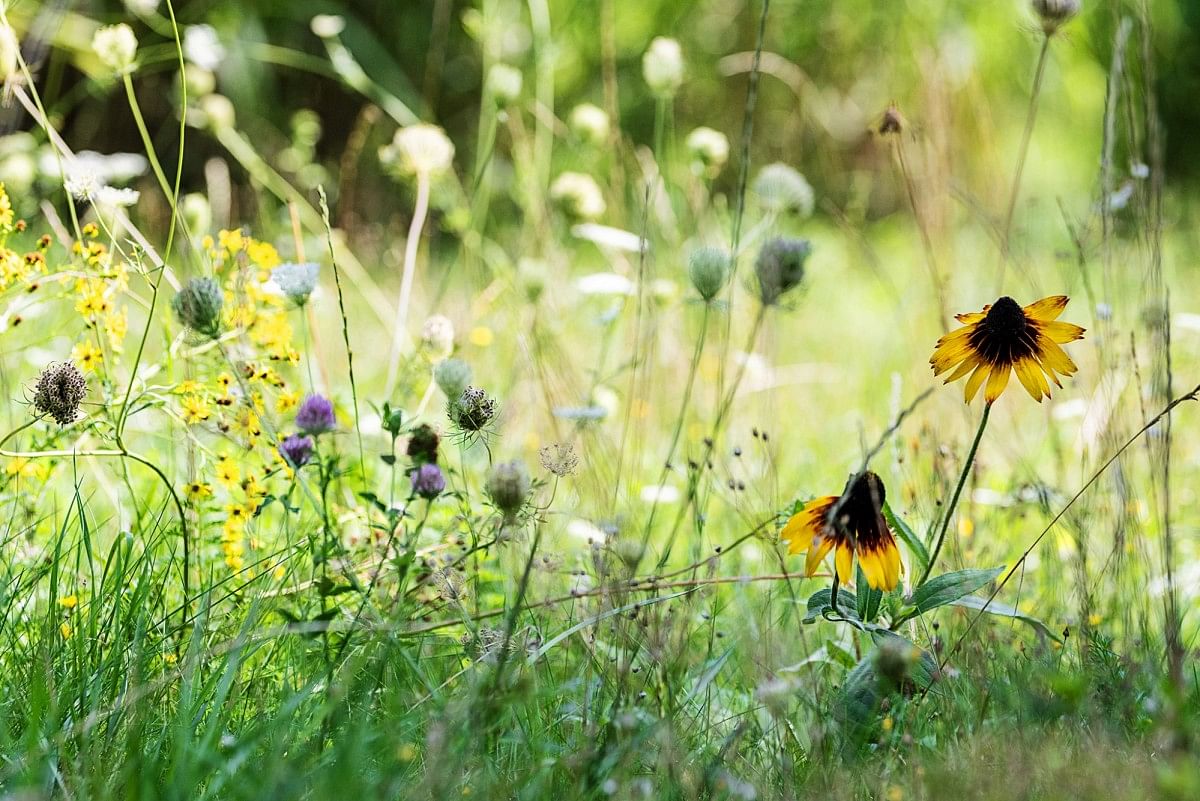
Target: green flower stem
column 962, row 480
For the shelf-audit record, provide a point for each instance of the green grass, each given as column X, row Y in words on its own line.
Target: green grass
column 187, row 615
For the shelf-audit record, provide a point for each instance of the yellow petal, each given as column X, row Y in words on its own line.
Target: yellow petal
column 997, row 381
column 873, row 568
column 1062, row 333
column 815, row 554
column 845, row 562
column 967, row 366
column 1056, row 358
column 1047, row 308
column 798, row 533
column 948, row 355
column 976, row 381
column 967, row 318
column 1030, row 375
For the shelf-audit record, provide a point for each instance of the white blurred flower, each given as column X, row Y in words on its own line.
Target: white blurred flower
column 579, row 194
column 781, row 188
column 420, row 149
column 203, row 47
column 589, row 123
column 661, row 493
column 115, row 46
column 586, row 531
column 142, row 8
column 111, row 168
column 82, row 184
column 708, row 148
column 605, row 284
column 296, row 281
column 504, row 83
column 328, row 26
column 437, row 337
column 115, row 197
column 607, row 236
column 662, row 66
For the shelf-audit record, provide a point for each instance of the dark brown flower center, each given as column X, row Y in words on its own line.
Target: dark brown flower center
column 859, row 511
column 1005, row 335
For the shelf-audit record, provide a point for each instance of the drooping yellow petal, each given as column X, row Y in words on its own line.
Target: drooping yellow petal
column 975, row 381
column 949, row 354
column 892, row 566
column 1047, row 308
column 1056, row 358
column 845, row 562
column 1030, row 375
column 967, row 318
column 798, row 534
column 873, row 568
column 815, row 554
column 969, row 364
column 997, row 381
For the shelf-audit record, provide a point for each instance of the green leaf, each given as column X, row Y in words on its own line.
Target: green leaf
column 910, row 538
column 863, row 689
column 819, row 604
column 949, row 587
column 868, row 599
column 1003, row 610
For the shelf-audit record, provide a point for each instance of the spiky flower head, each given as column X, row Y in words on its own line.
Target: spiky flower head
column 296, row 281
column 473, row 410
column 297, row 449
column 198, row 306
column 709, row 271
column 508, row 486
column 315, row 415
column 452, row 376
column 559, row 458
column 1053, row 14
column 428, row 481
column 423, row 445
column 780, row 267
column 59, row 391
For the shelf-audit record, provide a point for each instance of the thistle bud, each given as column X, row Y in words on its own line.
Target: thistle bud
column 473, row 410
column 508, row 486
column 1053, row 14
column 59, row 391
column 297, row 449
column 428, row 481
column 709, row 271
column 452, row 376
column 779, row 267
column 198, row 306
column 423, row 445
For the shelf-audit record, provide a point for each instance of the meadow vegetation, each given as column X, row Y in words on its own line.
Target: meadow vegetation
column 717, row 400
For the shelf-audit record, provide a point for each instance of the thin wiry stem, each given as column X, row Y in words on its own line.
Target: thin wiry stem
column 962, row 480
column 1023, row 151
column 411, row 246
column 337, row 280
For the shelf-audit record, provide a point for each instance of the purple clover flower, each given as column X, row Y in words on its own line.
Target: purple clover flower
column 296, row 449
column 428, row 481
column 315, row 415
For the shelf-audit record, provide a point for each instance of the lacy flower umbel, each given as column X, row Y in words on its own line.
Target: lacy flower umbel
column 853, row 523
column 1005, row 337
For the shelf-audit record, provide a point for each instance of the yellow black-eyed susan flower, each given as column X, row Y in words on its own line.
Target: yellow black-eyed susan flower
column 858, row 528
column 1005, row 338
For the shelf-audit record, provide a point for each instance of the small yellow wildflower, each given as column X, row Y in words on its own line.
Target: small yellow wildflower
column 231, row 240
column 68, row 601
column 87, row 356
column 195, row 409
column 116, row 325
column 65, row 630
column 287, row 401
column 228, row 473
column 198, row 490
